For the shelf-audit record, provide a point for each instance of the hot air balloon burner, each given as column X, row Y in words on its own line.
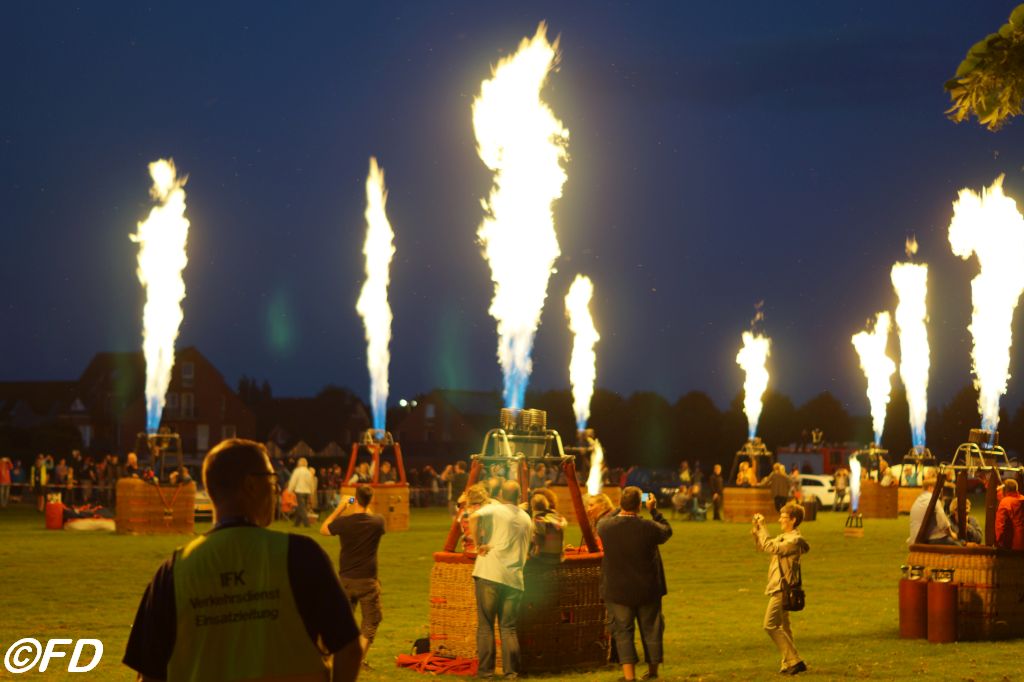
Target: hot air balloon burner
column 163, row 454
column 854, row 525
column 390, row 494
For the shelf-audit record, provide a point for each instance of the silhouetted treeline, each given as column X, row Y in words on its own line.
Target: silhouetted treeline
column 646, row 429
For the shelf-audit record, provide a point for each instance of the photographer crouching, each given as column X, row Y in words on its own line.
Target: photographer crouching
column 785, row 586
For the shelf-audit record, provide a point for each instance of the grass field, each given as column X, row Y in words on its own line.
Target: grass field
column 75, row 585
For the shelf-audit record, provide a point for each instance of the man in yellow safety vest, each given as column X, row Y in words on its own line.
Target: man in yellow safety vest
column 242, row 602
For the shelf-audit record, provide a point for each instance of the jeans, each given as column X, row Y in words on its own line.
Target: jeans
column 652, row 630
column 301, row 517
column 501, row 601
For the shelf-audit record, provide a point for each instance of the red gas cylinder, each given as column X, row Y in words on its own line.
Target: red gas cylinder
column 913, row 609
column 942, row 604
column 54, row 516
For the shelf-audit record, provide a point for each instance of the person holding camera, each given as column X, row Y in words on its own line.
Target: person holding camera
column 633, row 579
column 783, row 571
column 359, row 534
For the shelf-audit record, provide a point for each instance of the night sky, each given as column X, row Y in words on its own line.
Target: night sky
column 721, row 154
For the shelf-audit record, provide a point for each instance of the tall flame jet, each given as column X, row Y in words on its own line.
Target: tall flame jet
column 753, row 358
column 910, row 280
column 878, row 368
column 162, row 238
column 521, row 141
column 990, row 226
column 595, row 482
column 583, row 363
column 373, row 299
column 855, row 474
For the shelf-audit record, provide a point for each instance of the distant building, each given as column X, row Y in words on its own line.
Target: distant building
column 446, row 425
column 105, row 408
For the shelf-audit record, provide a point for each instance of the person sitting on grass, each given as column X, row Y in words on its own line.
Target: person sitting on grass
column 242, row 602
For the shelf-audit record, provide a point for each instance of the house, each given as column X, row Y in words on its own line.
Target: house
column 446, row 425
column 106, row 407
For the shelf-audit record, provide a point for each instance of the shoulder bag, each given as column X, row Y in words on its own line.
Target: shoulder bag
column 793, row 598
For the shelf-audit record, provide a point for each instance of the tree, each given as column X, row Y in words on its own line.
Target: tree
column 650, row 431
column 609, row 420
column 989, row 83
column 698, row 429
column 825, row 412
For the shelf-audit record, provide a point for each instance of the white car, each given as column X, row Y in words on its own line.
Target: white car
column 821, row 487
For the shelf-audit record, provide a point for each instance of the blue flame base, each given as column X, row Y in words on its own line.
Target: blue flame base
column 380, row 413
column 153, row 414
column 515, row 388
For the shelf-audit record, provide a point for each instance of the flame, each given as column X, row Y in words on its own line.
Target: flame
column 753, row 358
column 519, row 138
column 162, row 238
column 595, row 481
column 990, row 226
column 373, row 299
column 583, row 364
column 911, row 283
column 854, row 483
column 910, row 246
column 878, row 368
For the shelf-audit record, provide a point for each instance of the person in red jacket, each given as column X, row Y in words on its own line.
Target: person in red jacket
column 1010, row 518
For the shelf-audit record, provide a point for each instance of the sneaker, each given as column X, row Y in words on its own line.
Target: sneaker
column 795, row 669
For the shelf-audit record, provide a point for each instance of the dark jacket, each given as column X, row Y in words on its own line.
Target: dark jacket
column 631, row 571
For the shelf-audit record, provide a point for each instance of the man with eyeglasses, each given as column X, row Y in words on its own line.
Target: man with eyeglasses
column 242, row 602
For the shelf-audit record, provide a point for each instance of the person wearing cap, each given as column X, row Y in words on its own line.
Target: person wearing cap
column 242, row 602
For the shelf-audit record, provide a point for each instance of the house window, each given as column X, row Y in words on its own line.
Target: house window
column 171, row 406
column 188, row 374
column 188, row 405
column 202, row 437
column 228, row 431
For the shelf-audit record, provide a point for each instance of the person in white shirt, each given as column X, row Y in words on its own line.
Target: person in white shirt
column 502, row 534
column 303, row 485
column 940, row 531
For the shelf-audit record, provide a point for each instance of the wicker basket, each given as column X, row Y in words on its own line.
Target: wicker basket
column 878, row 501
column 991, row 592
column 150, row 509
column 390, row 500
column 740, row 504
column 562, row 617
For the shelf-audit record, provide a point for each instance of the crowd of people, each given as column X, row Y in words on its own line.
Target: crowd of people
column 77, row 480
